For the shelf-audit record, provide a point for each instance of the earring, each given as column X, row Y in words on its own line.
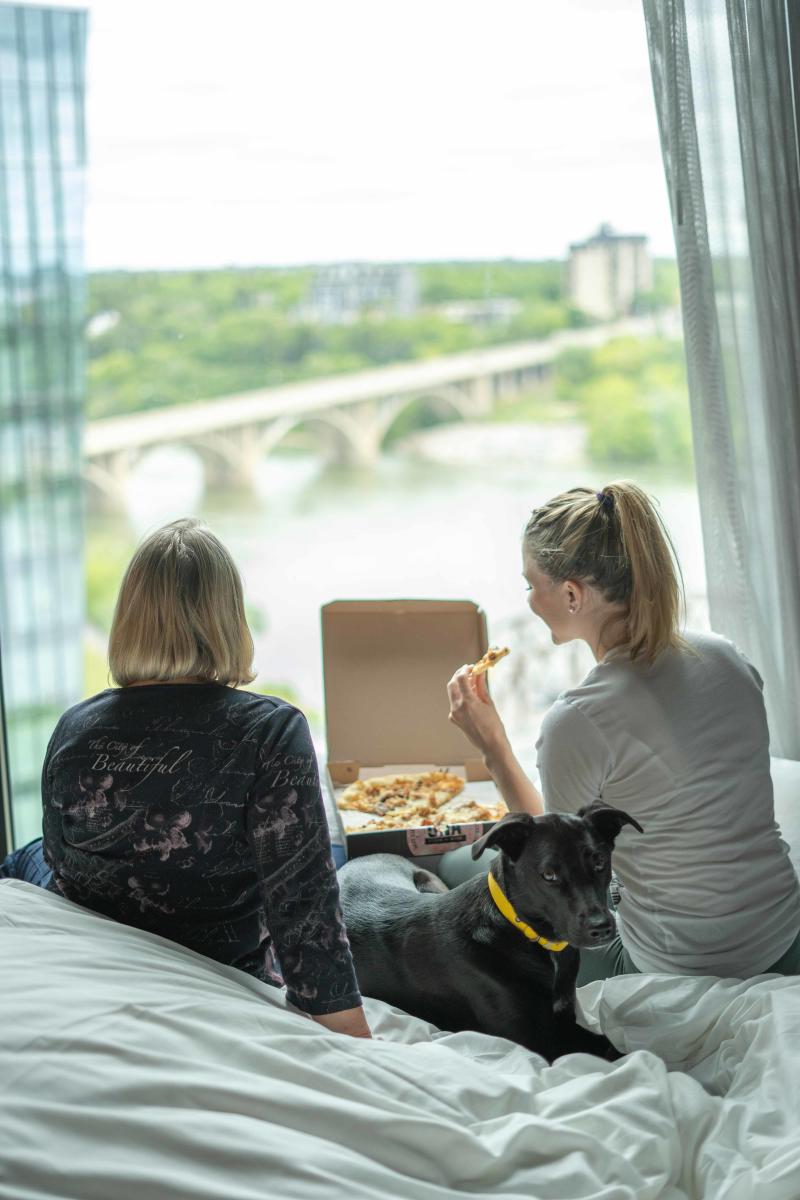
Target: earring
column 572, row 609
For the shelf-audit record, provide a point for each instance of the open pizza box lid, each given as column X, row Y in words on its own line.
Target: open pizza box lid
column 386, row 667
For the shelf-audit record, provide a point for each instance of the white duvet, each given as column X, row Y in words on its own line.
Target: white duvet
column 131, row 1069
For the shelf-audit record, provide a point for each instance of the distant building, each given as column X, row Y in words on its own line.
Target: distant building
column 496, row 310
column 343, row 292
column 42, row 159
column 608, row 271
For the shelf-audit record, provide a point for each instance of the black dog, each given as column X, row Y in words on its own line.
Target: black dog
column 454, row 959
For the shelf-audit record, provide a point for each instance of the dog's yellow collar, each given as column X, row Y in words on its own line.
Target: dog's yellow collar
column 508, row 911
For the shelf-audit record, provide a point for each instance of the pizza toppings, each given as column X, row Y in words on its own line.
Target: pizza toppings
column 491, row 657
column 466, row 813
column 386, row 793
column 413, row 801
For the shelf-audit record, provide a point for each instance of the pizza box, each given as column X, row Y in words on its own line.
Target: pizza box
column 386, row 664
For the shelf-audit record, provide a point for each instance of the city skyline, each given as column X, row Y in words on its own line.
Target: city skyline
column 299, row 134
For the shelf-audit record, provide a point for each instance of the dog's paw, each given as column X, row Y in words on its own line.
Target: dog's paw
column 583, row 1041
column 597, row 1044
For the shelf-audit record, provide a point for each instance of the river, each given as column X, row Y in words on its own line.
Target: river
column 439, row 517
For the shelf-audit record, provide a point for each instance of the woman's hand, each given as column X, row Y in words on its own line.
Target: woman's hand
column 472, row 710
column 350, row 1021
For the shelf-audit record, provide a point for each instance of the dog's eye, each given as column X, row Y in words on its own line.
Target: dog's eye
column 598, row 862
column 549, row 876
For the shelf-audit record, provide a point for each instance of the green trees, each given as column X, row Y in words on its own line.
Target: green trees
column 526, row 281
column 163, row 338
column 632, row 395
column 172, row 337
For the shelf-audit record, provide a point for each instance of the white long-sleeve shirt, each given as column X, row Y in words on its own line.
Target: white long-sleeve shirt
column 683, row 747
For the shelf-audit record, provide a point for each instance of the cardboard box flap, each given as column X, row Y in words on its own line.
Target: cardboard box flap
column 386, row 665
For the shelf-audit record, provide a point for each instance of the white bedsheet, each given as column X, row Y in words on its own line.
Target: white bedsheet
column 132, row 1069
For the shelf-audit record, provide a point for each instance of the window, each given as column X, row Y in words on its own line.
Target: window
column 272, row 207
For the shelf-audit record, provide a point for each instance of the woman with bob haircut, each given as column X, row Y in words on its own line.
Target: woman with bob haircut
column 180, row 804
column 669, row 727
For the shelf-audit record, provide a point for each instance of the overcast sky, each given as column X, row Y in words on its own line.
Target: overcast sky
column 283, row 131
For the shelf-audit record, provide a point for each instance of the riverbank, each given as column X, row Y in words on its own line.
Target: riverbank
column 441, row 516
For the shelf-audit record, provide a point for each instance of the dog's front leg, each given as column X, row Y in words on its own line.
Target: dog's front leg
column 566, row 963
column 570, row 1036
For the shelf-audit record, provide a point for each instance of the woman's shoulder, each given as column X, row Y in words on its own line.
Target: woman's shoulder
column 263, row 714
column 119, row 703
column 616, row 677
column 573, row 716
column 705, row 639
column 710, row 648
column 694, row 646
column 90, row 704
column 261, row 702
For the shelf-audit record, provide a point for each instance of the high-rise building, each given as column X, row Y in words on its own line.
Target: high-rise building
column 608, row 271
column 343, row 292
column 42, row 161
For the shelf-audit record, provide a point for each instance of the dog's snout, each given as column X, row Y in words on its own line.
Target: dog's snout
column 602, row 933
column 599, row 927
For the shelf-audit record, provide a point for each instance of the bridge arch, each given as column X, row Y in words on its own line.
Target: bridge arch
column 232, row 456
column 348, row 438
column 451, row 397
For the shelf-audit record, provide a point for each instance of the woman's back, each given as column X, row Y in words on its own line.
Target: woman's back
column 182, row 805
column 681, row 745
column 176, row 807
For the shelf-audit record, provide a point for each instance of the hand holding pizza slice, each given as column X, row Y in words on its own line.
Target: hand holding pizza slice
column 471, row 707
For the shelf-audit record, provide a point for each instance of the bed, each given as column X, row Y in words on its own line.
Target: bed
column 133, row 1069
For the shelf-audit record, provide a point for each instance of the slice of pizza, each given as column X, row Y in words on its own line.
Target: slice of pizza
column 491, row 657
column 471, row 811
column 412, row 816
column 385, row 793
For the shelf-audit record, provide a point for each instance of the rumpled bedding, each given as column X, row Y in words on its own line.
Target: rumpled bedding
column 133, row 1069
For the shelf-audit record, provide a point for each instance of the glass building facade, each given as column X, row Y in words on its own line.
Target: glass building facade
column 42, row 166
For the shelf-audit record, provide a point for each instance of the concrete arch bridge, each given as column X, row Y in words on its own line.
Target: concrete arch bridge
column 352, row 414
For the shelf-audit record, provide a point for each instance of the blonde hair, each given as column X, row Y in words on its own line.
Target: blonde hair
column 180, row 611
column 616, row 541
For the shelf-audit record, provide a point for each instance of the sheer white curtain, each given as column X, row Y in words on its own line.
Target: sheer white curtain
column 723, row 87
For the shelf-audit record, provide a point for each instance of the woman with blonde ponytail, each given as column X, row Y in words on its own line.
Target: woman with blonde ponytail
column 670, row 727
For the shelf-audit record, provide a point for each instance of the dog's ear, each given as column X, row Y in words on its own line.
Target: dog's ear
column 605, row 821
column 508, row 835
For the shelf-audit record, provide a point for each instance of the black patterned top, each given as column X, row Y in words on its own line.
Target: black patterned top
column 194, row 811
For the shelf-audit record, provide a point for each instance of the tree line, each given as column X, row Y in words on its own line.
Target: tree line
column 171, row 337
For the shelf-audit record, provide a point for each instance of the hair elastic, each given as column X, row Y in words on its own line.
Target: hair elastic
column 606, row 500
